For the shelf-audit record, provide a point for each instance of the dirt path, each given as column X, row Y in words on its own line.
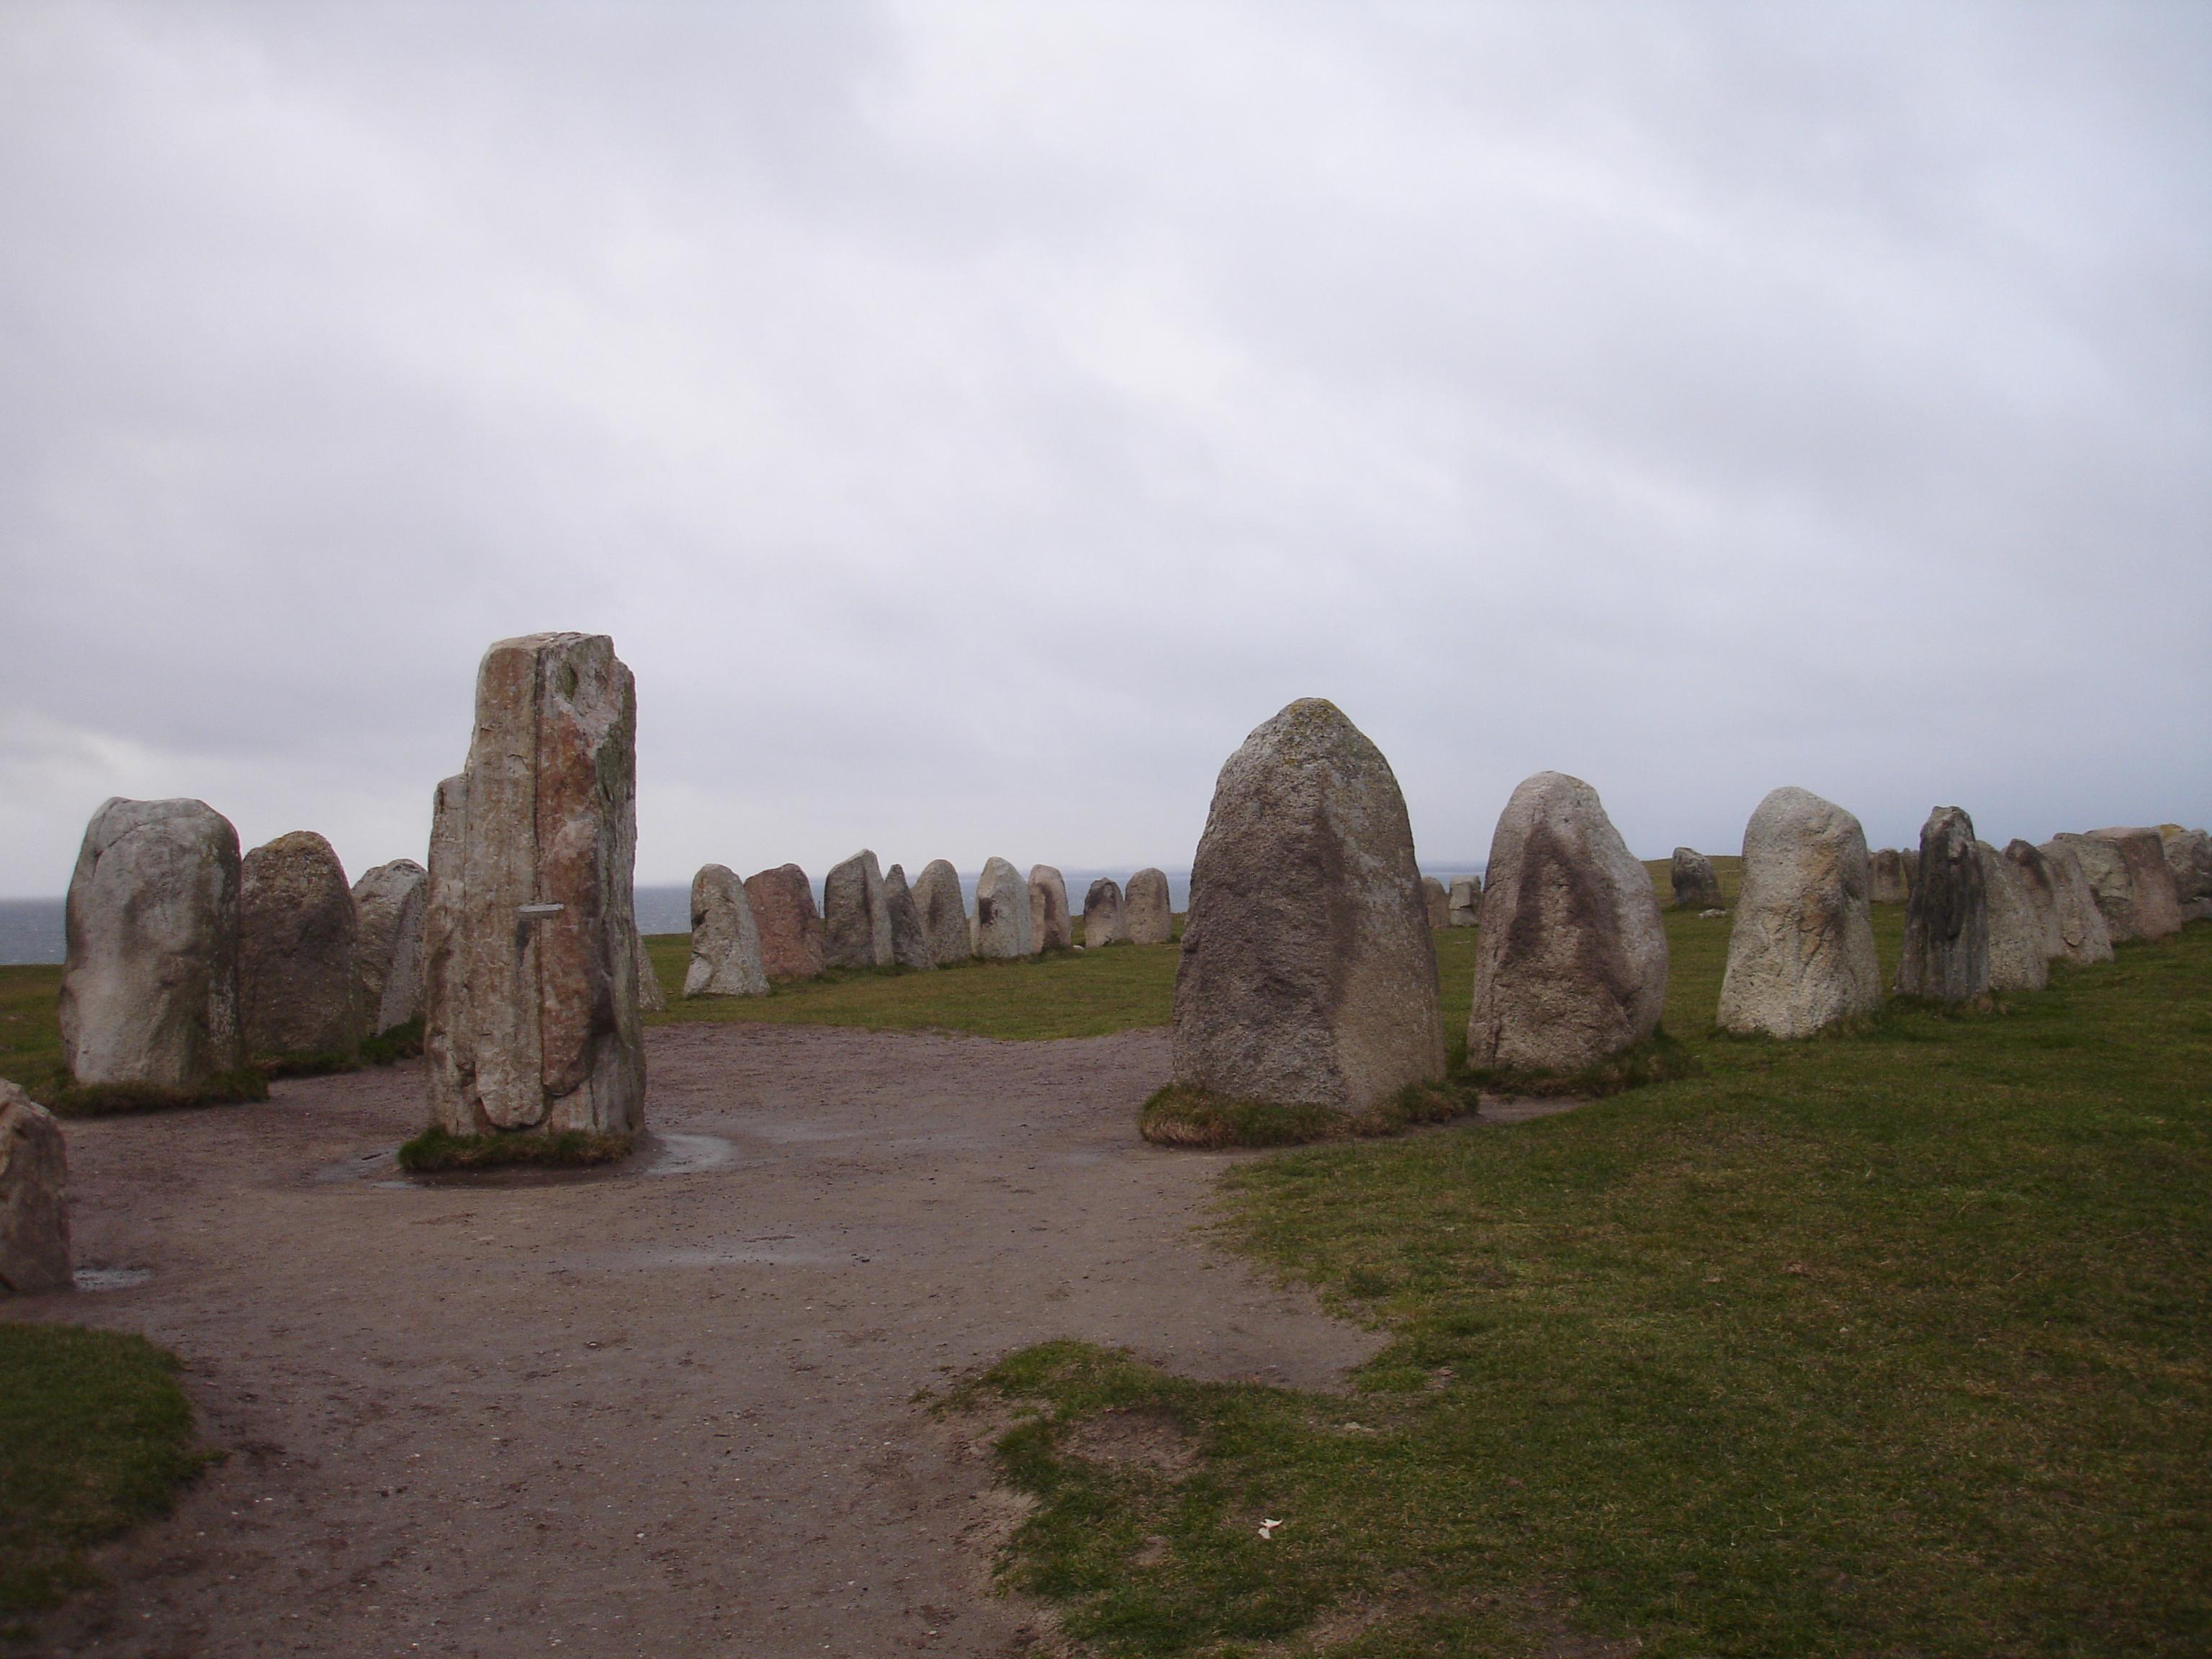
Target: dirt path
column 669, row 1412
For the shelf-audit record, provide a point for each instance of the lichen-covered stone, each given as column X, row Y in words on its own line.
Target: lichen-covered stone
column 1571, row 966
column 1002, row 915
column 296, row 933
column 388, row 904
column 725, row 947
column 1147, row 912
column 1947, row 921
column 2133, row 883
column 1308, row 973
column 2189, row 855
column 943, row 911
column 149, row 983
column 856, row 927
column 1886, row 879
column 34, row 1234
column 1463, row 904
column 2082, row 931
column 2018, row 958
column 1696, row 886
column 1101, row 913
column 1051, row 928
column 1801, row 955
column 530, row 941
column 790, row 927
column 910, row 945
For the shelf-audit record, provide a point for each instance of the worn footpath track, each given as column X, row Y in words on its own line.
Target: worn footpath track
column 668, row 1410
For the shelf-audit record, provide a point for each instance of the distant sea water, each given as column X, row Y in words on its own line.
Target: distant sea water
column 30, row 930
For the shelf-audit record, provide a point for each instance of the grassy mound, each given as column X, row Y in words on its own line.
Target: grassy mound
column 434, row 1150
column 94, row 1435
column 66, row 1099
column 1658, row 1058
column 1182, row 1116
column 393, row 1044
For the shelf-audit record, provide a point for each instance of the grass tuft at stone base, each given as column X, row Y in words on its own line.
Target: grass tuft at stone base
column 1658, row 1058
column 66, row 1099
column 393, row 1044
column 1179, row 1115
column 434, row 1150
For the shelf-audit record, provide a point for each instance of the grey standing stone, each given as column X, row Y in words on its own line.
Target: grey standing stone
column 2134, row 884
column 150, row 983
column 725, row 947
column 1911, row 857
column 651, row 999
column 388, row 904
column 1003, row 926
column 856, row 927
column 1102, row 914
column 1308, row 975
column 2018, row 958
column 910, row 945
column 34, row 1236
column 2189, row 855
column 1947, row 921
column 530, row 946
column 1436, row 903
column 1801, row 955
column 2080, row 924
column 790, row 927
column 1572, row 967
column 1051, row 928
column 1696, row 886
column 1463, row 904
column 1147, row 916
column 943, row 912
column 296, row 933
column 1886, row 879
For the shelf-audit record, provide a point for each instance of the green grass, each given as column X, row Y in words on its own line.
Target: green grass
column 94, row 1435
column 434, row 1152
column 1893, row 1342
column 30, row 1030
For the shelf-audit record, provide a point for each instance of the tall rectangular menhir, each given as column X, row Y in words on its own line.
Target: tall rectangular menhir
column 530, row 946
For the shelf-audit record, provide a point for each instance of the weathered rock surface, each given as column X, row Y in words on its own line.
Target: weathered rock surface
column 2082, row 936
column 1801, row 957
column 651, row 999
column 2189, row 855
column 1051, row 928
column 725, row 947
column 149, row 985
column 1696, row 886
column 2018, row 958
column 2132, row 881
column 1947, row 921
column 1003, row 920
column 1571, row 967
column 943, row 912
column 790, row 927
column 388, row 903
column 1910, row 856
column 529, row 943
column 856, row 927
column 1147, row 913
column 1308, row 974
column 1463, row 904
column 296, row 931
column 1101, row 913
column 1886, row 879
column 1436, row 903
column 910, row 945
column 34, row 1237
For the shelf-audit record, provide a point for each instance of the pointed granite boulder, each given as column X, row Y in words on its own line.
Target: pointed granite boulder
column 943, row 911
column 1801, row 955
column 2134, row 883
column 388, row 903
column 1696, row 886
column 1309, row 973
column 35, row 1235
column 910, row 946
column 1947, row 921
column 726, row 948
column 1101, row 913
column 1051, row 928
column 2018, row 958
column 856, row 927
column 790, row 927
column 296, row 960
column 1147, row 914
column 1003, row 915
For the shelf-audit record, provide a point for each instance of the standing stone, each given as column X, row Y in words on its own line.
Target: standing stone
column 1947, row 921
column 149, row 982
column 910, row 945
column 1886, row 882
column 1696, row 886
column 943, row 913
column 1801, row 955
column 651, row 999
column 1147, row 916
column 2189, row 855
column 296, row 931
column 1571, row 967
column 725, row 947
column 2018, row 958
column 1051, row 928
column 856, row 927
column 1436, row 903
column 2080, row 924
column 530, row 946
column 387, row 907
column 34, row 1237
column 1911, row 858
column 1002, row 913
column 1308, row 974
column 1463, row 905
column 1102, row 914
column 2134, row 884
column 790, row 929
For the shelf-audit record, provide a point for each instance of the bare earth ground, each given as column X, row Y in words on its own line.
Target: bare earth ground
column 668, row 1410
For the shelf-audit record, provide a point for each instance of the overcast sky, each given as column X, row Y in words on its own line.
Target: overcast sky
column 971, row 421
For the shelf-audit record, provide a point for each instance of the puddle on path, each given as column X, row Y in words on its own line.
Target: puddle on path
column 763, row 1251
column 110, row 1279
column 656, row 1155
